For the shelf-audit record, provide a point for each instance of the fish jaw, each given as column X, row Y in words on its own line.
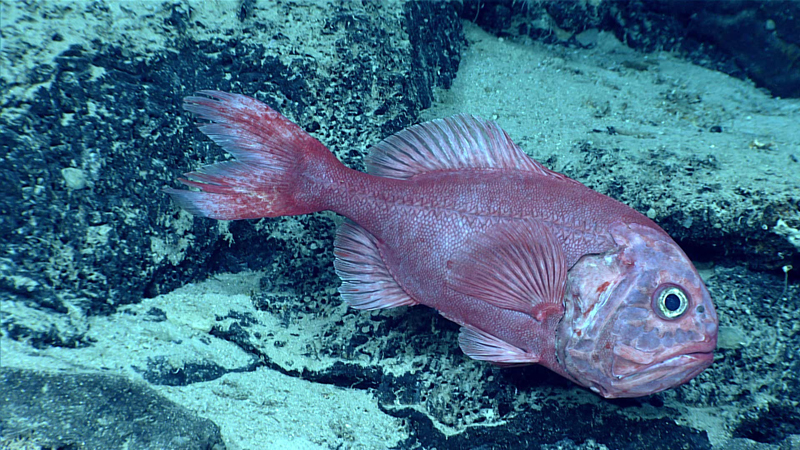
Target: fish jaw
column 658, row 376
column 614, row 339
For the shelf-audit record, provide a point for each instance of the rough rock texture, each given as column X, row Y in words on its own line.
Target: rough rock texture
column 90, row 136
column 92, row 128
column 752, row 222
column 744, row 38
column 56, row 410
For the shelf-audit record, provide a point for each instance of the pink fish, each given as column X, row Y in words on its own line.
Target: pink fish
column 535, row 267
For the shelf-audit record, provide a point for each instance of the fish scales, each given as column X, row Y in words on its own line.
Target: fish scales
column 535, row 267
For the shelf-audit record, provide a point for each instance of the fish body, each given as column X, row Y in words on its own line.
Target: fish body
column 534, row 266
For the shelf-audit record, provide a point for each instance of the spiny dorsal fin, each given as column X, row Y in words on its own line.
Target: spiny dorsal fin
column 455, row 143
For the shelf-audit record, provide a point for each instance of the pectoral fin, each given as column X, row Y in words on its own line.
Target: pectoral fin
column 516, row 265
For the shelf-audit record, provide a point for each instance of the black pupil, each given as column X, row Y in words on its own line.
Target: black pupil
column 672, row 302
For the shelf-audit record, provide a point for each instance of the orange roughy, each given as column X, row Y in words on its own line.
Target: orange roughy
column 534, row 266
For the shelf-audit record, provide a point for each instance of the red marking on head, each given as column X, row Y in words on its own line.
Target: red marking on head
column 603, row 287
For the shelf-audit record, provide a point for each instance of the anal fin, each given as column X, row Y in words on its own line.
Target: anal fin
column 366, row 281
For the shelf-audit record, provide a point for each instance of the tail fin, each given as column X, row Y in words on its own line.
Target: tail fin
column 273, row 157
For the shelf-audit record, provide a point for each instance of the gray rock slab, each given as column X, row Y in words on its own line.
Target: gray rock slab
column 93, row 411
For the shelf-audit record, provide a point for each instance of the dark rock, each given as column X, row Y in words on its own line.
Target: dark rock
column 56, row 410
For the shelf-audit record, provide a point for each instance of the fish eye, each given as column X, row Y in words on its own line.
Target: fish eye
column 671, row 302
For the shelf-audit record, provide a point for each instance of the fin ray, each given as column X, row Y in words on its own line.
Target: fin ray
column 271, row 158
column 516, row 265
column 454, row 143
column 480, row 345
column 366, row 281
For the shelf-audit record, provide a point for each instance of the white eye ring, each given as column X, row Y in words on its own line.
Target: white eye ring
column 671, row 302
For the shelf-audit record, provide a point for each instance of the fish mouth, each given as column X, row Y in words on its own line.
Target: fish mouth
column 668, row 373
column 684, row 367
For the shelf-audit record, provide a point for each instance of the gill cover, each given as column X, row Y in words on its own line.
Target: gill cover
column 638, row 318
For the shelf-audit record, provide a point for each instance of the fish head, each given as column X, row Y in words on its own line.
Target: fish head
column 638, row 318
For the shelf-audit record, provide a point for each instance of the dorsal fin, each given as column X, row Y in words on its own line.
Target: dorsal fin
column 515, row 265
column 454, row 143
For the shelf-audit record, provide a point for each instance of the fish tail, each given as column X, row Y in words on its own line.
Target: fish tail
column 278, row 167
